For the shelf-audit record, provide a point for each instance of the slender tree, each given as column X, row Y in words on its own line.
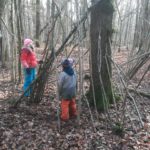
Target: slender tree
column 12, row 42
column 51, row 44
column 2, row 4
column 17, row 5
column 37, row 19
column 137, row 26
column 144, row 40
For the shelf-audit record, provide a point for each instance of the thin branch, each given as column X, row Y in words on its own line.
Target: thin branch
column 142, row 93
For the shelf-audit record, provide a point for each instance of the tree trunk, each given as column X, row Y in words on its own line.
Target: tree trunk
column 47, row 19
column 18, row 34
column 137, row 26
column 144, row 41
column 2, row 4
column 142, row 29
column 1, row 43
column 51, row 44
column 100, row 34
column 37, row 19
column 12, row 43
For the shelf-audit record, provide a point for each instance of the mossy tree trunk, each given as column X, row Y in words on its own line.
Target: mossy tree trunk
column 100, row 35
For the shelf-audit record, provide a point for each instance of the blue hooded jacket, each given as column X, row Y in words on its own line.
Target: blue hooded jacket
column 67, row 82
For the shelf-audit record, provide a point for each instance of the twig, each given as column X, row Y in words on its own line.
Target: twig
column 90, row 112
column 139, row 115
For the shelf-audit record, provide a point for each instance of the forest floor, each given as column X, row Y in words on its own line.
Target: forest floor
column 35, row 127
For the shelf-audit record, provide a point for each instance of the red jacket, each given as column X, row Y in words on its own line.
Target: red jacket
column 28, row 58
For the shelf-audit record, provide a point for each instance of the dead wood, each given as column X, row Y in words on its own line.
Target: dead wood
column 142, row 93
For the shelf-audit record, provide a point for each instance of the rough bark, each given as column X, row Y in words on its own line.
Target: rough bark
column 100, row 34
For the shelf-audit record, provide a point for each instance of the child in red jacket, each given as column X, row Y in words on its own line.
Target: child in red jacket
column 29, row 63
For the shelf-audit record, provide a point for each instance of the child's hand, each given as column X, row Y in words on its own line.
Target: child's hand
column 40, row 61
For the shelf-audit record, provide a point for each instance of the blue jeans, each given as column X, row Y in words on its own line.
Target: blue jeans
column 28, row 79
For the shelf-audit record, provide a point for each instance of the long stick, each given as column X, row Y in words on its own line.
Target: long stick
column 130, row 96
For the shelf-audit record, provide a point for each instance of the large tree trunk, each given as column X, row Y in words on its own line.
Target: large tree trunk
column 100, row 34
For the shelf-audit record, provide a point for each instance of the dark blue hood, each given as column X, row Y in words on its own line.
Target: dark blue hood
column 68, row 70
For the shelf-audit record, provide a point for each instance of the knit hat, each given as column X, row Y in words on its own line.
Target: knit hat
column 28, row 42
column 67, row 68
column 66, row 63
column 71, row 61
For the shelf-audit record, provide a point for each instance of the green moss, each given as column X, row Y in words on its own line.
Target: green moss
column 101, row 102
column 116, row 94
column 117, row 97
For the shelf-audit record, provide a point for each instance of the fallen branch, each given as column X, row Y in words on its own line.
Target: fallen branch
column 142, row 93
column 137, row 66
column 127, row 95
column 147, row 70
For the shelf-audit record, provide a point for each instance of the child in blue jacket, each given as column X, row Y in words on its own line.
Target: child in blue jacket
column 67, row 84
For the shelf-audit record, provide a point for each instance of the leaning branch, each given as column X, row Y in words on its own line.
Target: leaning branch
column 142, row 93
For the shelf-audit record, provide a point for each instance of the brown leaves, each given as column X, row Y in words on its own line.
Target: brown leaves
column 35, row 127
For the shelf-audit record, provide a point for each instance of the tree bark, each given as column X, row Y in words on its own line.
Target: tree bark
column 137, row 26
column 100, row 34
column 12, row 43
column 51, row 45
column 2, row 4
column 37, row 19
column 18, row 34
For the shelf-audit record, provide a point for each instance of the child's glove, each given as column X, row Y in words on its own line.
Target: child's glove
column 31, row 47
column 28, row 71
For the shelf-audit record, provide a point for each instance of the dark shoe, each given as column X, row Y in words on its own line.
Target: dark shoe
column 64, row 120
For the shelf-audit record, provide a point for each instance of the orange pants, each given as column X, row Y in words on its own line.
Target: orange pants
column 68, row 109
